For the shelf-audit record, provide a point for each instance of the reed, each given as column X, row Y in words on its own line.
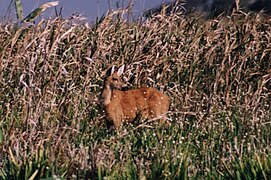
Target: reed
column 216, row 73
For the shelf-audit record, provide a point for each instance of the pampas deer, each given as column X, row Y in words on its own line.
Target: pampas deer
column 124, row 106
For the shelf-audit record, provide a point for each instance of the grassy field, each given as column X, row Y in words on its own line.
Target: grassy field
column 217, row 74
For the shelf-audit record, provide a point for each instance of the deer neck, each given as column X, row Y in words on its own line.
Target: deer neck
column 106, row 95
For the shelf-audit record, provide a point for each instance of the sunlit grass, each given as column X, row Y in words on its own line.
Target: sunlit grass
column 216, row 73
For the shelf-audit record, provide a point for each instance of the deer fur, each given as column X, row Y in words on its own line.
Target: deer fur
column 124, row 106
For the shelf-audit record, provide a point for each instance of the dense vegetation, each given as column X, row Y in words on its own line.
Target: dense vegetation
column 217, row 74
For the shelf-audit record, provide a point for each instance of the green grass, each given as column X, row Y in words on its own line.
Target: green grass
column 216, row 73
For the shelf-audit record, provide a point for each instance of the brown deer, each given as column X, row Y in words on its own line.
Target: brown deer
column 124, row 106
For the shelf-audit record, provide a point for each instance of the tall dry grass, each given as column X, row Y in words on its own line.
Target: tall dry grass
column 217, row 74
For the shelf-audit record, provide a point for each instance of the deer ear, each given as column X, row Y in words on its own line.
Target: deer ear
column 121, row 69
column 110, row 71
